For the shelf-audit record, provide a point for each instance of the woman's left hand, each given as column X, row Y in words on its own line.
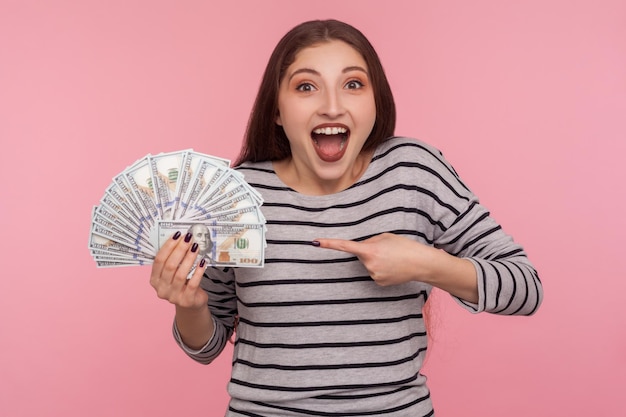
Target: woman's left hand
column 392, row 259
column 389, row 259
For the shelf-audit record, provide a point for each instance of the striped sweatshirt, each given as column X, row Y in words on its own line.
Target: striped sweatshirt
column 316, row 336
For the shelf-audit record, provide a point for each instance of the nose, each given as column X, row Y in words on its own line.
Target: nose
column 332, row 104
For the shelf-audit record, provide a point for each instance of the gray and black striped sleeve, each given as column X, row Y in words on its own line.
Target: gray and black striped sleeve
column 508, row 284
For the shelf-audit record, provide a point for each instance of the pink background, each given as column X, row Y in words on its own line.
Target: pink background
column 526, row 99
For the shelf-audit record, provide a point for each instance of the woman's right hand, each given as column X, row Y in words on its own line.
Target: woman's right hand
column 170, row 270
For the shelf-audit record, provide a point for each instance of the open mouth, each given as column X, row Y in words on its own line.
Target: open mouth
column 330, row 142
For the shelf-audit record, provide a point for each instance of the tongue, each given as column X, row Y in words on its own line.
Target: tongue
column 329, row 147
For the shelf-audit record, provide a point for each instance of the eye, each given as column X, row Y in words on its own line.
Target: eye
column 305, row 87
column 354, row 85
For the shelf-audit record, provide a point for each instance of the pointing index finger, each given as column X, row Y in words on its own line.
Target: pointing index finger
column 343, row 245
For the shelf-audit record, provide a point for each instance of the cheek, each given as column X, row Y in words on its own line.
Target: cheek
column 364, row 109
column 368, row 116
column 294, row 123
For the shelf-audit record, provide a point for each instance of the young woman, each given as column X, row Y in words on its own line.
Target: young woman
column 361, row 225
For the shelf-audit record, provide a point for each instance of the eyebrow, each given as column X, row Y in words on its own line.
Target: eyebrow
column 314, row 72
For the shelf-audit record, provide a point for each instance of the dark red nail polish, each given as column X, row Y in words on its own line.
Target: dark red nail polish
column 194, row 247
column 176, row 235
column 202, row 262
column 188, row 237
column 315, row 243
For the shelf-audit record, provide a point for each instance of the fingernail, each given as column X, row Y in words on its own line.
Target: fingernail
column 194, row 247
column 202, row 262
column 315, row 243
column 188, row 237
column 176, row 235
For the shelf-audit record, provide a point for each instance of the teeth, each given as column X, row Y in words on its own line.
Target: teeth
column 330, row 130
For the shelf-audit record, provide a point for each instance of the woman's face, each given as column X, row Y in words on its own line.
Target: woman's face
column 327, row 110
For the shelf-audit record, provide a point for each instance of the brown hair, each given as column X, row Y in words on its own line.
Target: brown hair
column 264, row 139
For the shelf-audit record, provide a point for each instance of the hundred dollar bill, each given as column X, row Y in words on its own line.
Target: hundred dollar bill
column 188, row 167
column 98, row 231
column 194, row 169
column 114, row 264
column 120, row 259
column 103, row 218
column 104, row 213
column 119, row 203
column 205, row 177
column 216, row 168
column 166, row 171
column 123, row 193
column 113, row 215
column 220, row 244
column 225, row 182
column 139, row 178
column 243, row 215
column 214, row 159
column 233, row 192
column 106, row 244
column 115, row 202
column 240, row 202
column 229, row 186
column 102, row 227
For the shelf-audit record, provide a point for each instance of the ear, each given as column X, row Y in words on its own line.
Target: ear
column 277, row 120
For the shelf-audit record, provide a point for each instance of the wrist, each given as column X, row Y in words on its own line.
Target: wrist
column 452, row 274
column 195, row 325
column 191, row 311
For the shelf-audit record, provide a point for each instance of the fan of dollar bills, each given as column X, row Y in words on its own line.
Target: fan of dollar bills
column 183, row 191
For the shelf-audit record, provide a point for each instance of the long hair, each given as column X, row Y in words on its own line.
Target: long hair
column 264, row 139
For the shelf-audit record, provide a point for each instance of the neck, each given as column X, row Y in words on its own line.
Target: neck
column 303, row 182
